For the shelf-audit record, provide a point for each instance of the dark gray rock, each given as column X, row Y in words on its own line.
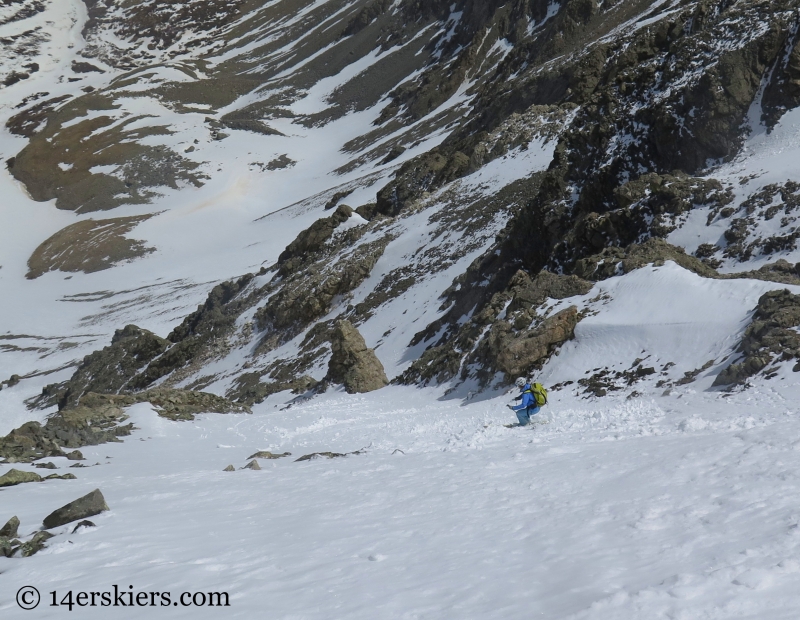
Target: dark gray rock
column 87, row 506
column 84, row 523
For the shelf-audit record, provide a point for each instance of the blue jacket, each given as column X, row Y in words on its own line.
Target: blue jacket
column 528, row 400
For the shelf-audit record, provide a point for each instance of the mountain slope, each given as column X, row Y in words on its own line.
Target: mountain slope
column 602, row 195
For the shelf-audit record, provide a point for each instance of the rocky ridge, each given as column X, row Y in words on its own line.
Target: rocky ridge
column 633, row 104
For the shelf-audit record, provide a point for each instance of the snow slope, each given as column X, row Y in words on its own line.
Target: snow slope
column 645, row 507
column 660, row 500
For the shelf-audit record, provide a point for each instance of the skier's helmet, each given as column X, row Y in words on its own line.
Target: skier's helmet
column 520, row 382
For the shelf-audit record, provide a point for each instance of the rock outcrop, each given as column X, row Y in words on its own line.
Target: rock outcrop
column 108, row 370
column 311, row 240
column 508, row 335
column 518, row 353
column 100, row 418
column 771, row 337
column 352, row 363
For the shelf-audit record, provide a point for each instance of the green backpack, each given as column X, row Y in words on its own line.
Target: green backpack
column 539, row 394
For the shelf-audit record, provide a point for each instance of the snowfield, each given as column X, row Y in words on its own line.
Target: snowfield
column 664, row 499
column 673, row 506
column 680, row 507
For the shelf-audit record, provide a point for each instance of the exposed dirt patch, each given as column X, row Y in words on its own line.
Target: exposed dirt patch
column 88, row 246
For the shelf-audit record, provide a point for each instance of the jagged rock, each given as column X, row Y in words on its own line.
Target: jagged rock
column 66, row 476
column 250, row 390
column 9, row 546
column 229, row 468
column 614, row 260
column 252, row 465
column 75, row 455
column 317, row 455
column 27, row 443
column 99, row 418
column 264, row 454
column 783, row 90
column 89, row 505
column 9, row 530
column 771, row 336
column 108, row 370
column 517, row 353
column 352, row 363
column 485, row 335
column 308, row 242
column 35, row 544
column 84, row 523
column 45, row 466
column 185, row 404
column 212, row 320
column 292, row 308
column 14, row 477
column 328, row 455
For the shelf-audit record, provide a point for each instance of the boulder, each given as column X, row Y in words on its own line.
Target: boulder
column 9, row 530
column 35, row 544
column 265, row 454
column 87, row 506
column 229, row 468
column 8, row 547
column 252, row 465
column 75, row 455
column 45, row 466
column 352, row 363
column 61, row 477
column 14, row 477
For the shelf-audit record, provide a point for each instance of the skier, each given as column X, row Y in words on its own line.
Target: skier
column 528, row 407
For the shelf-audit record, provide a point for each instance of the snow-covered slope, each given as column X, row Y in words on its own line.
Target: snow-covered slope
column 601, row 195
column 678, row 505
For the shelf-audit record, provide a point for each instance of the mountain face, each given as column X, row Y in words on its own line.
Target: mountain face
column 243, row 205
column 473, row 150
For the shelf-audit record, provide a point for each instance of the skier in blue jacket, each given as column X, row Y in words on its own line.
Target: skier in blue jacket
column 528, row 407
